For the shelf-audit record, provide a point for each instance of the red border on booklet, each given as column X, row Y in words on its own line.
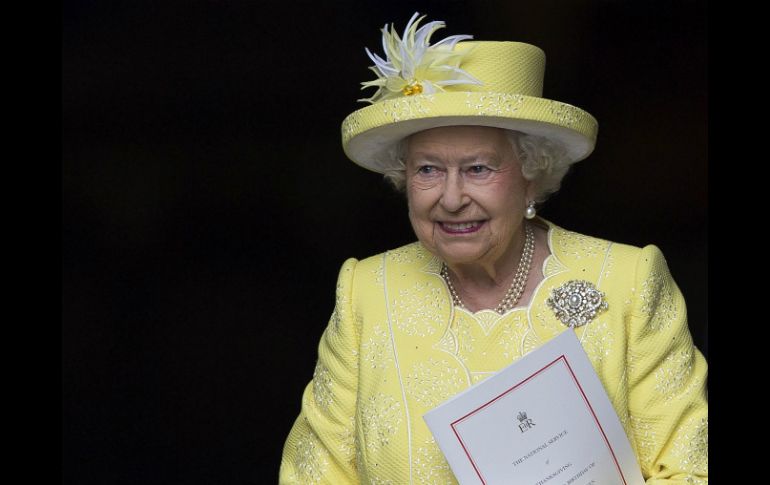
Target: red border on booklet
column 588, row 404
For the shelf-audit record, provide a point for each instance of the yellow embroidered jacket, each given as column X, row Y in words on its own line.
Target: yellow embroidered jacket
column 396, row 347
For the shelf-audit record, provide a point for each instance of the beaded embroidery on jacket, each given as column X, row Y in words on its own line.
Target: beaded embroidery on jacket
column 420, row 310
column 421, row 350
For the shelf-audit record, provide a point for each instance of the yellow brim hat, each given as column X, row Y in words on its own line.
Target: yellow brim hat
column 504, row 89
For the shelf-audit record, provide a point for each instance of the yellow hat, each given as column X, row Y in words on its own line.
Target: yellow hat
column 458, row 82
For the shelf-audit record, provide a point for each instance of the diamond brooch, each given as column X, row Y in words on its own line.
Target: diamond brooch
column 576, row 302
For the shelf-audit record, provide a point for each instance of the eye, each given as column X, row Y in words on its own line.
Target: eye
column 478, row 169
column 426, row 170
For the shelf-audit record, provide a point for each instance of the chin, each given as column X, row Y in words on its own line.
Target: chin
column 460, row 257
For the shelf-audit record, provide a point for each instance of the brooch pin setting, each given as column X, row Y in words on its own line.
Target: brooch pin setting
column 576, row 302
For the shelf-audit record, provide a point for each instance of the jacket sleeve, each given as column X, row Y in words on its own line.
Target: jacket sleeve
column 668, row 405
column 320, row 448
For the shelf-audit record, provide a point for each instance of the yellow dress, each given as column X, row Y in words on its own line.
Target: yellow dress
column 396, row 347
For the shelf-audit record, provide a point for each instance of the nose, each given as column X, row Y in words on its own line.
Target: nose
column 453, row 196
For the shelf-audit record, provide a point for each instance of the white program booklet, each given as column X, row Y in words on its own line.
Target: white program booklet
column 543, row 420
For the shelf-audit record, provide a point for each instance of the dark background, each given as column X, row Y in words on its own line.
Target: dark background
column 207, row 203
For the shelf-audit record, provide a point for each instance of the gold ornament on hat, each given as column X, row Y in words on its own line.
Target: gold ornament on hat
column 413, row 66
column 576, row 302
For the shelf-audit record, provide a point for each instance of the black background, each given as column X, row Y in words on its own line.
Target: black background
column 207, row 203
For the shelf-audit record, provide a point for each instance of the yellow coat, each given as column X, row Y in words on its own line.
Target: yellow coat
column 396, row 347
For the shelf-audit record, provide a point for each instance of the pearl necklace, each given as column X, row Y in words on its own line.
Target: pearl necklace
column 519, row 280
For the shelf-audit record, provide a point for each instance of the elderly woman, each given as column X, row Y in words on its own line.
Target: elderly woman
column 462, row 127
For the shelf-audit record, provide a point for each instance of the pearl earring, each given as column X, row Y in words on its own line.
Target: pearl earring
column 530, row 212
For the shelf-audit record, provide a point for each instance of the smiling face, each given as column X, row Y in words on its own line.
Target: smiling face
column 467, row 195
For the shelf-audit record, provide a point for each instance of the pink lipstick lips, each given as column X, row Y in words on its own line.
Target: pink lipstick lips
column 461, row 227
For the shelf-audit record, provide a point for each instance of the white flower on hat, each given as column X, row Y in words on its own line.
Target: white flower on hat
column 413, row 66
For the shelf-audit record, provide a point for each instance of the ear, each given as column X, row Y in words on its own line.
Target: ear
column 531, row 190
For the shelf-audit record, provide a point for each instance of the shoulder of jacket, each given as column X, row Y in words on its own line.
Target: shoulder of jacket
column 409, row 257
column 574, row 245
column 406, row 254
